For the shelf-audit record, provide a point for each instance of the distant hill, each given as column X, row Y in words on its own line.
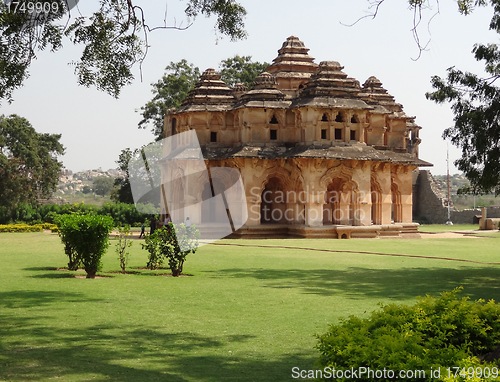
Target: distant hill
column 71, row 183
column 456, row 181
column 464, row 201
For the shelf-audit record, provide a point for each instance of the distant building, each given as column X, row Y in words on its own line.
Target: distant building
column 319, row 155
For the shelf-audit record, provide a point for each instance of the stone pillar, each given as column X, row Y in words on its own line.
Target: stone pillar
column 299, row 215
column 314, row 214
column 386, row 207
column 253, row 206
column 484, row 215
column 407, row 208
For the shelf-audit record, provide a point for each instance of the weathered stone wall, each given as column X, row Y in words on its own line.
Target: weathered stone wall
column 429, row 203
column 429, row 200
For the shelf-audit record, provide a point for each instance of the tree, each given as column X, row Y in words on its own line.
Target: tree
column 122, row 245
column 465, row 7
column 114, row 37
column 121, row 187
column 29, row 169
column 180, row 77
column 241, row 69
column 475, row 102
column 102, row 185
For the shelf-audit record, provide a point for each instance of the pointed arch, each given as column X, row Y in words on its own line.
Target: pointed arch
column 397, row 207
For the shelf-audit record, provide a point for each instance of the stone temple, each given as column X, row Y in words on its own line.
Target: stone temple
column 319, row 154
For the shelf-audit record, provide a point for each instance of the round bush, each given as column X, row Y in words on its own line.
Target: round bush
column 435, row 333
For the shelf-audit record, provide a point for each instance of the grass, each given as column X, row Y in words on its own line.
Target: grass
column 447, row 228
column 247, row 313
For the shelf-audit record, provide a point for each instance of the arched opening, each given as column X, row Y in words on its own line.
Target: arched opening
column 338, row 207
column 213, row 209
column 274, row 120
column 207, row 208
column 354, row 119
column 229, row 120
column 173, row 126
column 290, row 118
column 397, row 207
column 273, row 206
column 376, row 196
column 324, row 118
column 339, row 117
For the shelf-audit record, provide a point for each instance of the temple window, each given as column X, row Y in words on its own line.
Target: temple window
column 339, row 118
column 323, row 134
column 174, row 126
column 274, row 134
column 324, row 118
column 290, row 118
column 338, row 134
column 353, row 135
column 274, row 120
column 213, row 136
column 354, row 119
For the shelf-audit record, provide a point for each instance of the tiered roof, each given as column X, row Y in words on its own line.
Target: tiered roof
column 293, row 66
column 210, row 93
column 331, row 87
column 265, row 93
column 323, row 85
column 374, row 94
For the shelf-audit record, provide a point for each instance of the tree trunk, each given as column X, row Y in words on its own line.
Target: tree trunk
column 91, row 273
column 176, row 272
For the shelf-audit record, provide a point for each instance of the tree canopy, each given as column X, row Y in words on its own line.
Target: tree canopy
column 122, row 191
column 180, row 77
column 102, row 185
column 241, row 69
column 29, row 168
column 475, row 103
column 114, row 37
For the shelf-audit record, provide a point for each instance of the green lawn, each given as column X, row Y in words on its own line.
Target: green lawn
column 247, row 313
column 446, row 228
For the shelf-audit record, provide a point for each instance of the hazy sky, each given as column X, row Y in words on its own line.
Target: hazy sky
column 95, row 127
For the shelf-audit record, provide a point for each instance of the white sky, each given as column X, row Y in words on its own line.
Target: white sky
column 95, row 127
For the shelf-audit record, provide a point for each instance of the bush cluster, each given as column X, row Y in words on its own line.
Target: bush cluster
column 173, row 245
column 121, row 213
column 435, row 332
column 27, row 228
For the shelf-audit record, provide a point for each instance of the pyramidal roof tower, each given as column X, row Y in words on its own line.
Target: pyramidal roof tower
column 293, row 67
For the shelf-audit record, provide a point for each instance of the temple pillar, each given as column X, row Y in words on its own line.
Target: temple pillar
column 253, row 207
column 313, row 214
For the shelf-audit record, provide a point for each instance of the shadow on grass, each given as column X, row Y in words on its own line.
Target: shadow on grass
column 29, row 299
column 32, row 350
column 358, row 282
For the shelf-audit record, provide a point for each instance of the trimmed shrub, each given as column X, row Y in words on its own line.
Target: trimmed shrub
column 86, row 238
column 435, row 333
column 27, row 228
column 20, row 228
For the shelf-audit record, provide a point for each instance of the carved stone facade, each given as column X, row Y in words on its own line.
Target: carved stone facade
column 319, row 154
